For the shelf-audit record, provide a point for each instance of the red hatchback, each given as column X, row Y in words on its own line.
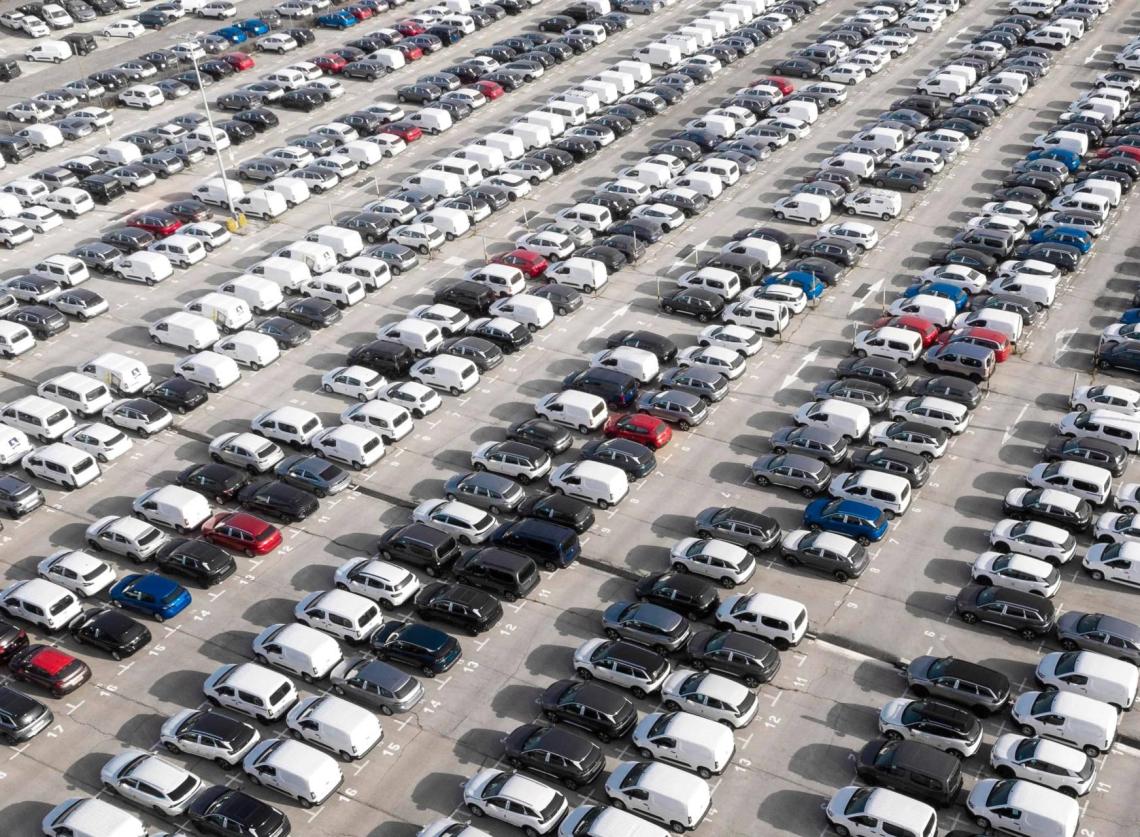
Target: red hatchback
column 1120, row 151
column 638, row 427
column 925, row 329
column 408, row 133
column 490, row 89
column 779, row 82
column 238, row 60
column 979, row 336
column 330, row 62
column 156, row 221
column 242, row 532
column 55, row 670
column 361, row 12
column 531, row 264
column 408, row 28
column 411, row 51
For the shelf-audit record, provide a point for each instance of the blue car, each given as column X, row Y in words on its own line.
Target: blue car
column 151, row 594
column 1064, row 235
column 233, row 34
column 1130, row 317
column 337, row 20
column 1071, row 159
column 863, row 522
column 254, row 26
column 951, row 292
column 806, row 282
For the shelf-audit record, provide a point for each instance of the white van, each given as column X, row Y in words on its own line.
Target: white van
column 431, row 120
column 512, row 147
column 1090, row 674
column 172, row 505
column 341, row 289
column 260, row 294
column 811, row 209
column 438, row 184
column 944, row 85
column 532, row 311
column 294, row 769
column 717, row 27
column 373, row 272
column 143, row 266
column 1008, row 323
column 1065, row 140
column 659, row 54
column 532, row 136
column 594, row 482
column 1109, row 189
column 503, row 279
column 969, row 74
column 69, row 201
column 215, row 190
column 581, row 274
column 118, row 153
column 490, row 160
column 888, row 139
column 287, row 77
column 653, row 175
column 264, row 204
column 319, row 258
column 1069, row 718
column 1090, row 482
column 344, row 243
column 702, row 183
column 38, row 417
column 289, row 274
column 125, row 375
column 145, row 96
column 15, row 339
column 420, row 336
column 61, row 465
column 861, row 165
column 351, row 445
column 1083, row 202
column 937, row 309
column 293, row 189
column 76, row 391
column 900, row 344
column 571, row 113
column 623, row 82
column 659, row 792
column 185, row 331
column 469, row 172
column 698, row 744
column 702, row 37
column 589, row 215
column 209, row 369
column 182, row 250
column 252, row 690
column 336, row 725
column 554, row 124
column 877, row 203
column 880, row 813
column 227, row 312
column 87, row 817
column 304, row 651
column 451, row 222
column 766, row 316
column 849, row 420
column 210, row 142
column 888, row 492
column 51, row 51
column 638, row 70
column 606, row 91
column 572, row 408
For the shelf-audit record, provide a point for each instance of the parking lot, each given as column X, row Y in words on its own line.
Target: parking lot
column 823, row 705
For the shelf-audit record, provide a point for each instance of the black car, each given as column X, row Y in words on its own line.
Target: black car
column 40, row 320
column 845, row 253
column 747, row 658
column 560, row 509
column 470, row 297
column 13, row 640
column 540, row 433
column 419, row 545
column 189, row 211
column 420, row 646
column 260, row 119
column 555, row 752
column 1118, row 356
column 110, row 630
column 686, row 594
column 911, row 467
column 232, row 813
column 610, row 257
column 1070, row 513
column 460, row 605
column 1107, row 455
column 949, row 388
column 278, row 499
column 221, row 483
column 506, row 573
column 965, row 256
column 287, row 333
column 902, row 179
column 593, row 707
column 799, row 67
column 617, row 389
column 178, row 395
column 913, row 768
column 21, row 717
column 198, row 561
column 889, row 373
column 302, row 100
column 311, row 312
column 693, row 302
column 634, row 458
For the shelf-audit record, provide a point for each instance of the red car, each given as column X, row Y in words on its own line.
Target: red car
column 156, row 221
column 638, row 427
column 531, row 264
column 330, row 62
column 979, row 336
column 781, row 83
column 1120, row 151
column 490, row 89
column 411, row 51
column 927, row 330
column 408, row 133
column 361, row 12
column 408, row 28
column 12, row 641
column 238, row 60
column 53, row 669
column 242, row 532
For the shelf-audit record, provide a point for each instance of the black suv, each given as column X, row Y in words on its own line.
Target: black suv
column 747, row 658
column 387, row 357
column 913, row 768
column 555, row 752
column 463, row 606
column 591, row 706
column 220, row 810
column 470, row 297
column 428, row 649
column 686, row 594
column 504, row 572
column 419, row 545
column 219, row 482
column 278, row 499
column 199, row 561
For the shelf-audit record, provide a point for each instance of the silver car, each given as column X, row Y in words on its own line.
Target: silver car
column 485, row 490
column 377, row 684
column 979, row 688
column 681, row 408
column 805, row 474
column 646, row 624
column 1107, row 635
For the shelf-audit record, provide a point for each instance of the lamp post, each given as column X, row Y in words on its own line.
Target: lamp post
column 213, row 133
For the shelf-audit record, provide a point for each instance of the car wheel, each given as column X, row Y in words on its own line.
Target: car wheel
column 842, row 831
column 618, row 803
column 968, row 618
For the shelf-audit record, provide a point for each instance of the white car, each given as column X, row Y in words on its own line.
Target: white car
column 910, row 437
column 100, row 440
column 125, row 28
column 870, row 812
column 218, row 10
column 1017, row 572
column 906, row 718
column 1023, row 212
column 39, row 219
column 736, row 338
column 422, row 238
column 465, row 523
column 1045, row 762
column 448, row 319
column 670, row 218
column 935, row 412
column 1114, row 527
column 387, row 584
column 138, row 414
column 969, row 280
column 726, row 362
column 291, row 425
column 357, row 382
column 389, row 421
column 791, row 297
column 722, row 561
column 1121, row 399
column 341, row 613
column 278, row 42
column 150, row 782
column 781, row 621
column 623, row 664
column 844, row 73
column 924, row 161
column 1119, row 562
column 863, row 235
column 126, row 536
column 709, row 696
column 77, row 571
column 514, row 799
column 416, row 398
column 209, row 735
column 1035, row 539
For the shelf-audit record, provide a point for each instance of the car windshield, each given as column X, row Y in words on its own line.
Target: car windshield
column 1000, row 794
column 1066, row 663
column 1088, row 622
column 493, row 787
column 1043, row 703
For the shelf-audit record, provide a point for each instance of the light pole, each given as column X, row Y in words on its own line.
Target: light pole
column 213, row 132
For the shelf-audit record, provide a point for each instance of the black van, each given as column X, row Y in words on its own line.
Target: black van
column 616, row 388
column 508, row 574
column 470, row 297
column 912, row 768
column 102, row 188
column 387, row 357
column 14, row 149
column 9, row 69
column 420, row 546
column 549, row 544
column 81, row 43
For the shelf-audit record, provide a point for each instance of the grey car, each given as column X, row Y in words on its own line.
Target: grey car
column 705, row 383
column 18, row 496
column 754, row 531
column 1029, row 615
column 377, row 684
column 1097, row 632
column 804, row 474
column 910, row 466
column 262, row 169
column 966, row 359
column 563, row 298
column 485, row 490
column 313, row 474
column 828, row 552
column 681, row 408
column 864, row 393
column 816, row 442
column 646, row 624
column 981, row 689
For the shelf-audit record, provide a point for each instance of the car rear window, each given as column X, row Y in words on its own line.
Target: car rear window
column 279, row 694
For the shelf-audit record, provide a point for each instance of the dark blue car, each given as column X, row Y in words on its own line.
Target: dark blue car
column 151, row 594
column 233, row 34
column 943, row 289
column 857, row 520
column 1119, row 356
column 1131, row 316
column 1064, row 235
column 1071, row 159
column 429, row 649
column 806, row 282
column 337, row 20
column 254, row 26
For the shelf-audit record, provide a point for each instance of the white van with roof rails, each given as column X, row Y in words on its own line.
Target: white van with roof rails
column 38, row 417
column 76, row 391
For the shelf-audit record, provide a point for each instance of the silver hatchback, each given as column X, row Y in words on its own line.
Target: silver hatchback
column 377, row 684
column 485, row 490
column 805, row 474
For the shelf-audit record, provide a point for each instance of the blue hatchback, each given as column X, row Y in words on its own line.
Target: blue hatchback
column 1072, row 236
column 233, row 34
column 857, row 520
column 943, row 289
column 151, row 594
column 1130, row 317
column 806, row 282
column 337, row 20
column 254, row 26
column 1071, row 159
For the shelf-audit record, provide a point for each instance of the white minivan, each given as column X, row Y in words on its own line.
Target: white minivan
column 172, row 505
column 811, row 209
